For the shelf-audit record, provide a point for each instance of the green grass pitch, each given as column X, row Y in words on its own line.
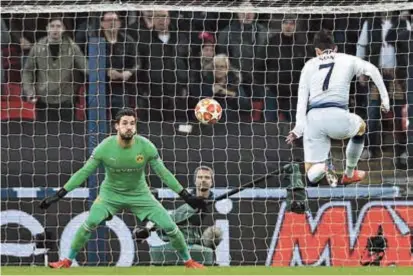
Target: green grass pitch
column 238, row 270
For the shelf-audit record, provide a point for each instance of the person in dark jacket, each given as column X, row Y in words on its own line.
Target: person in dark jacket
column 244, row 41
column 286, row 57
column 165, row 60
column 382, row 53
column 122, row 62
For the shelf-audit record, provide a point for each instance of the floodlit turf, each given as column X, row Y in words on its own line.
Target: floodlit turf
column 238, row 270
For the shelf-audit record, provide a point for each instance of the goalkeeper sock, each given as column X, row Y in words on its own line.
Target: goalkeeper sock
column 316, row 172
column 81, row 237
column 178, row 242
column 353, row 153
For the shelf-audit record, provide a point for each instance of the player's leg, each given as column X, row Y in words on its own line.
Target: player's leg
column 316, row 148
column 354, row 150
column 343, row 125
column 155, row 212
column 98, row 213
column 316, row 152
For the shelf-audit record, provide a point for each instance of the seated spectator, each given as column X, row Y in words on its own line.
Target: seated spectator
column 48, row 76
column 224, row 85
column 121, row 62
column 164, row 54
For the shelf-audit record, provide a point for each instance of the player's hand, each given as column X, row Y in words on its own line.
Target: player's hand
column 193, row 201
column 385, row 107
column 45, row 203
column 363, row 80
column 114, row 75
column 126, row 75
column 291, row 138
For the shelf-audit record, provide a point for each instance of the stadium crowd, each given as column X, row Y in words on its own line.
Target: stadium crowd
column 163, row 62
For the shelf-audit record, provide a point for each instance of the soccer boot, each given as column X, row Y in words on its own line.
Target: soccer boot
column 331, row 175
column 358, row 176
column 65, row 263
column 193, row 264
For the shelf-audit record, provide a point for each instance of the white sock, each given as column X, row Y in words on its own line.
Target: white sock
column 353, row 152
column 316, row 172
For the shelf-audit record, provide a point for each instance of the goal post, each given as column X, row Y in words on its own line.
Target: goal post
column 60, row 94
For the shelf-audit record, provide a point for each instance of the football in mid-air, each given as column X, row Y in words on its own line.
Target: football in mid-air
column 208, row 111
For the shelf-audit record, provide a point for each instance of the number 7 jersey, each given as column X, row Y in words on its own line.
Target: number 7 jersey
column 325, row 82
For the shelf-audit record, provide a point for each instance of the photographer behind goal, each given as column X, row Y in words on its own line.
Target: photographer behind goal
column 202, row 240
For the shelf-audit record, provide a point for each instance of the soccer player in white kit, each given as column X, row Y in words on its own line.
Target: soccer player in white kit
column 322, row 109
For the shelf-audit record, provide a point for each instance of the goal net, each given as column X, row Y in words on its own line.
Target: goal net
column 67, row 67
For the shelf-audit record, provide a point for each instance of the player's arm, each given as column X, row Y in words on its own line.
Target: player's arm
column 363, row 67
column 170, row 180
column 303, row 95
column 77, row 179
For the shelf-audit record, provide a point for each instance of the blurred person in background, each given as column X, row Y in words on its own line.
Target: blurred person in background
column 48, row 76
column 402, row 39
column 122, row 62
column 374, row 46
column 224, row 84
column 202, row 64
column 190, row 222
column 244, row 41
column 165, row 60
column 286, row 56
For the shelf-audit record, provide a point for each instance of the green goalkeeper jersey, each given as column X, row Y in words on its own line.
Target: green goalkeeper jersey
column 124, row 169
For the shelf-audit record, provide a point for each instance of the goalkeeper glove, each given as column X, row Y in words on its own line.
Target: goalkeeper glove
column 52, row 199
column 141, row 234
column 193, row 201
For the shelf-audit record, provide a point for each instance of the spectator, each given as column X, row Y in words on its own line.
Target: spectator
column 401, row 39
column 244, row 41
column 382, row 54
column 5, row 42
column 224, row 85
column 203, row 63
column 165, row 54
column 191, row 222
column 141, row 27
column 121, row 61
column 48, row 76
column 286, row 57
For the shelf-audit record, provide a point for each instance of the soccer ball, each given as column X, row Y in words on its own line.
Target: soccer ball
column 208, row 111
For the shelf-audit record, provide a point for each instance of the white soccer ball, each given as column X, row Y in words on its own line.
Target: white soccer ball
column 208, row 111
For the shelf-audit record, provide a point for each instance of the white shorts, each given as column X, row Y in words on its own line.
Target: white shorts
column 324, row 124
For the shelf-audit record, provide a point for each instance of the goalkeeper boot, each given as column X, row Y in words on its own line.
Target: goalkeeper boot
column 331, row 175
column 65, row 263
column 358, row 176
column 193, row 264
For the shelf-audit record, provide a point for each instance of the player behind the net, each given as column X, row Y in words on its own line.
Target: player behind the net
column 124, row 157
column 322, row 109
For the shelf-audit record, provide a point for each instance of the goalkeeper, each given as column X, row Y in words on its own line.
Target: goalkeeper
column 124, row 157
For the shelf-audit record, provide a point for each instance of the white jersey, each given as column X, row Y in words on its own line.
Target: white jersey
column 325, row 82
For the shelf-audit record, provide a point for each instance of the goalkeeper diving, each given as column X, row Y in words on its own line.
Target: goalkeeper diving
column 322, row 109
column 125, row 157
